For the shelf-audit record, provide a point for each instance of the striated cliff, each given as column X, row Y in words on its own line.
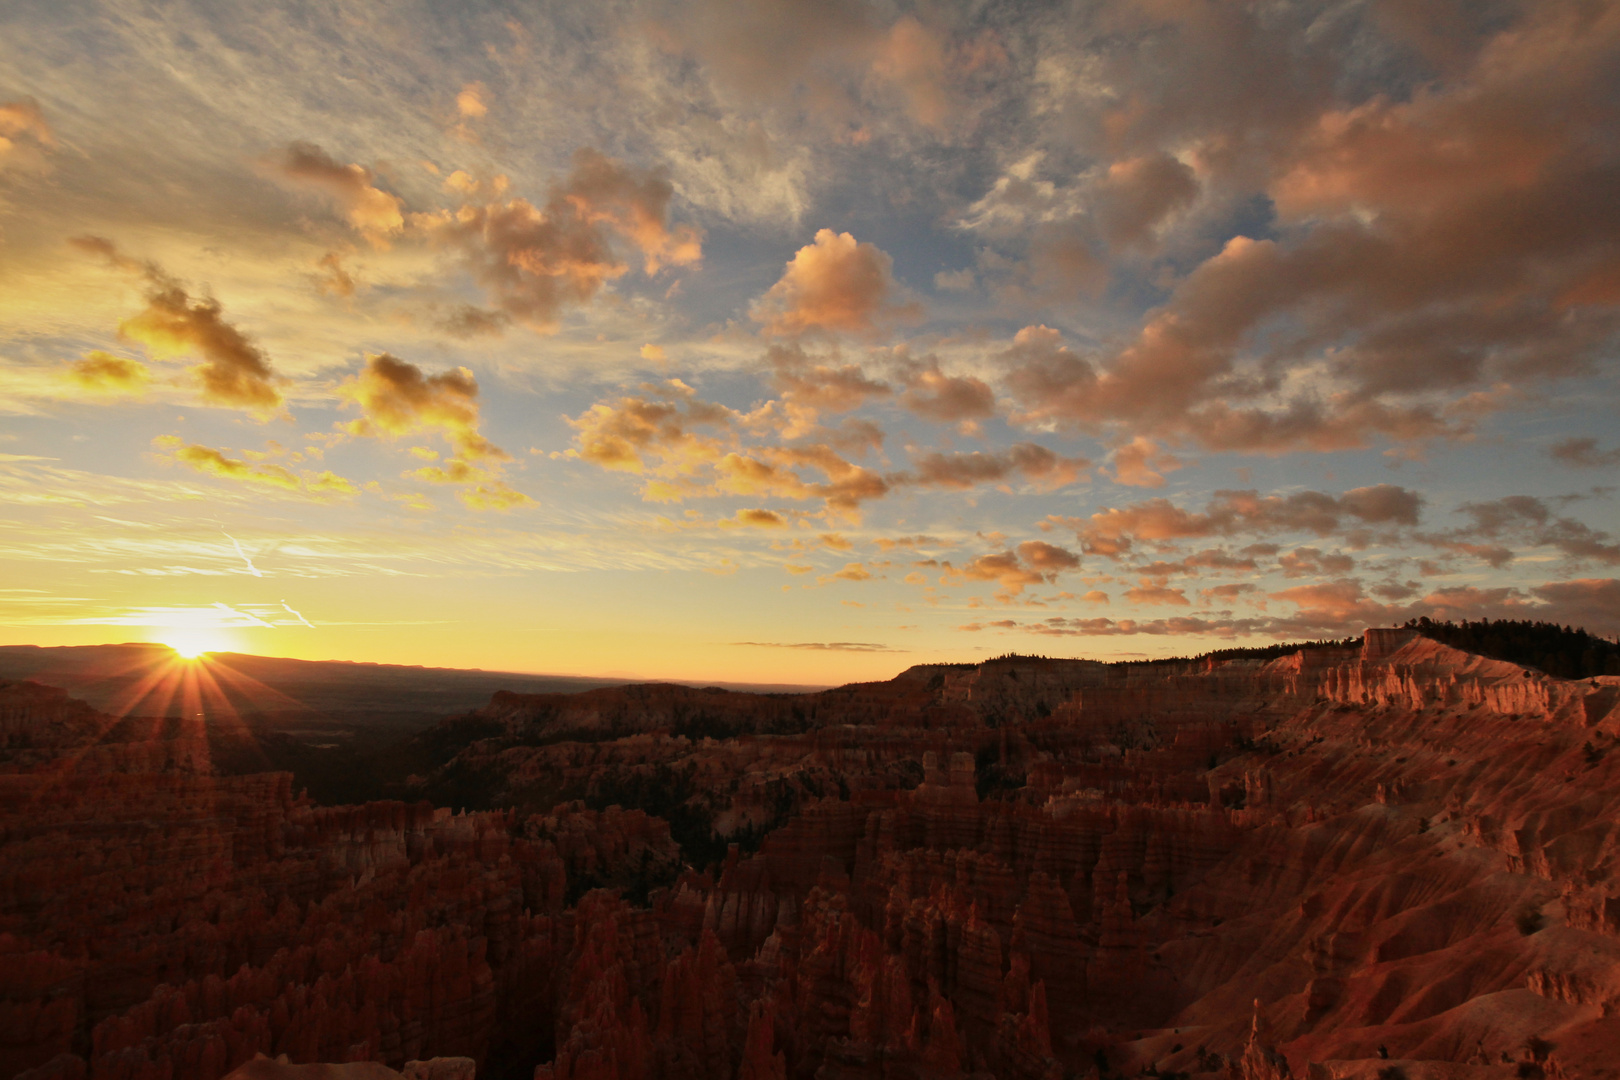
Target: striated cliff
column 1397, row 857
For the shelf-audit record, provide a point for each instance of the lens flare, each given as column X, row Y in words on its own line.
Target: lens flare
column 190, row 644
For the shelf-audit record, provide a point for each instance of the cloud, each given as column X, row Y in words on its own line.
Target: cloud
column 1044, row 469
column 234, row 371
column 25, row 137
column 536, row 261
column 375, row 213
column 823, row 646
column 808, row 384
column 658, row 424
column 1151, row 592
column 1529, row 521
column 835, row 283
column 1583, row 453
column 949, row 399
column 398, row 399
column 915, row 61
column 851, row 572
column 334, row 280
column 1590, row 602
column 103, row 373
column 1411, row 282
column 760, row 519
column 470, row 102
column 494, row 495
column 1136, row 194
column 1033, row 562
column 768, row 48
column 1112, row 532
column 686, row 448
column 1309, row 561
column 1140, row 463
column 211, row 462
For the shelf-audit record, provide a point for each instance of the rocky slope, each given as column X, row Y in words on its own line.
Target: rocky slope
column 1397, row 859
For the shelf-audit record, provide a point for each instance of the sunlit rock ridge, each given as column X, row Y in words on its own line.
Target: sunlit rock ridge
column 1383, row 860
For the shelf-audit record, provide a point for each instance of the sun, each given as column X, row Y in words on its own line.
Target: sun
column 190, row 644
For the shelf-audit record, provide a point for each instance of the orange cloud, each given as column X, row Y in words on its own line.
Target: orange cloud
column 1442, row 251
column 234, row 371
column 397, row 398
column 538, row 260
column 761, row 519
column 833, row 284
column 25, row 137
column 851, row 572
column 950, row 399
column 914, row 60
column 1046, row 470
column 374, row 212
column 494, row 495
column 104, row 373
column 1112, row 532
column 1140, row 463
column 211, row 462
column 470, row 102
column 1033, row 562
column 1151, row 592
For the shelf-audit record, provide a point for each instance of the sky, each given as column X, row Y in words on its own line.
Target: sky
column 803, row 341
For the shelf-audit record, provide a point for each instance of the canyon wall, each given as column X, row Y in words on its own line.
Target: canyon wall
column 1338, row 863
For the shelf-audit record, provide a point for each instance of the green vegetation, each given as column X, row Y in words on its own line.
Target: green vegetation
column 1248, row 652
column 1558, row 650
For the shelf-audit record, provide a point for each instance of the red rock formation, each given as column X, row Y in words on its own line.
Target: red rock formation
column 1007, row 868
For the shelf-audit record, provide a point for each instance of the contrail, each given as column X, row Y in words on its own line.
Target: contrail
column 297, row 615
column 254, row 570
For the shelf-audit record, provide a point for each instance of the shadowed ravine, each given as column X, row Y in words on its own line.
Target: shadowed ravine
column 1384, row 860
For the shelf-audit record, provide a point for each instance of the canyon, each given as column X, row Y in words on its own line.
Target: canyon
column 1381, row 860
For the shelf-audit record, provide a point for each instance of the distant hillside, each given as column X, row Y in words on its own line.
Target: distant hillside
column 1558, row 650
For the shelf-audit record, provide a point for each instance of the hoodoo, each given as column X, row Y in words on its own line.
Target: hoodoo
column 1397, row 859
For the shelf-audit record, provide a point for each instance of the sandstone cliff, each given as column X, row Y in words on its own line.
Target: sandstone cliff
column 1329, row 864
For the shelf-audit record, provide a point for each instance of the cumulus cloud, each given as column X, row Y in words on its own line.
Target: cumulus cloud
column 397, row 398
column 373, row 212
column 686, row 447
column 660, row 423
column 103, row 373
column 212, row 462
column 1529, row 522
column 1583, row 453
column 1113, row 531
column 1342, row 608
column 1137, row 193
column 1438, row 252
column 949, row 399
column 1036, row 465
column 494, row 495
column 760, row 519
column 1033, row 562
column 536, row 260
column 1311, row 562
column 1149, row 591
column 811, row 385
column 835, row 283
column 234, row 372
column 851, row 572
column 1141, row 463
